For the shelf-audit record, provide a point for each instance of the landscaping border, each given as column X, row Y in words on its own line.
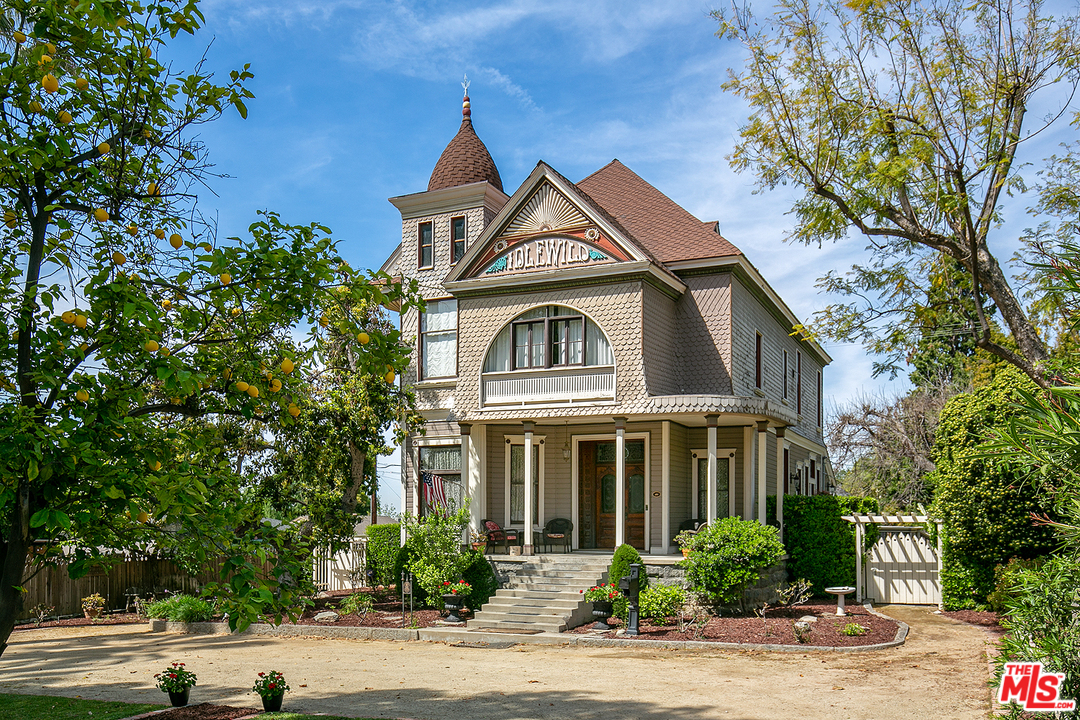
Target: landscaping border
column 353, row 633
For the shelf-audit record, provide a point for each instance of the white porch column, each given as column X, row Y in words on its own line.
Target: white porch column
column 858, row 562
column 748, row 473
column 711, row 511
column 620, row 481
column 781, row 480
column 762, row 462
column 472, row 491
column 528, row 426
column 665, row 486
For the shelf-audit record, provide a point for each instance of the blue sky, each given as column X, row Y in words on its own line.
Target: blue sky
column 356, row 99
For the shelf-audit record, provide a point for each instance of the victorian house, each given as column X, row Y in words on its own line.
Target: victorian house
column 591, row 351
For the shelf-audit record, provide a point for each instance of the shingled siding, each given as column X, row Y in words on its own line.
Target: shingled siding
column 658, row 342
column 703, row 352
column 431, row 280
column 615, row 308
column 748, row 319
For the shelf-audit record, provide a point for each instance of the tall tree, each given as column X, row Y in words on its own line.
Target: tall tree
column 120, row 313
column 904, row 120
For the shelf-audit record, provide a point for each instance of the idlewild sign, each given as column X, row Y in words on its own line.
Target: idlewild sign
column 550, row 253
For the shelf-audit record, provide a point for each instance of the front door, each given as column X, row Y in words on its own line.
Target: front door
column 599, row 499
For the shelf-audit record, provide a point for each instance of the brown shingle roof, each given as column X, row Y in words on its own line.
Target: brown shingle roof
column 664, row 228
column 465, row 160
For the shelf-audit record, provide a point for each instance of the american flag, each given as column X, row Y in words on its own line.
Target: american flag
column 434, row 491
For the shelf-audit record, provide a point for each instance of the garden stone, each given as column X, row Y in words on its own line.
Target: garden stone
column 808, row 618
column 327, row 616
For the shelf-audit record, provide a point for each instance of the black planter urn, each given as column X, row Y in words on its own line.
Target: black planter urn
column 272, row 703
column 601, row 610
column 453, row 604
column 179, row 699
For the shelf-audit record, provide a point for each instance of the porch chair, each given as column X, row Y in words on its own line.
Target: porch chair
column 496, row 535
column 693, row 525
column 558, row 531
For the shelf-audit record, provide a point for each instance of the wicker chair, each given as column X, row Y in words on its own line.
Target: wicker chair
column 497, row 536
column 693, row 525
column 558, row 531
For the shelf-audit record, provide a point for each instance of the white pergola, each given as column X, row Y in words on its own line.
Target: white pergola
column 861, row 521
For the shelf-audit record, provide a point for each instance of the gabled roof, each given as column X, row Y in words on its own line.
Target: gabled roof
column 665, row 229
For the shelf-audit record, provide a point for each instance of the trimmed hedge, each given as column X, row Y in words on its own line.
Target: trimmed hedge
column 820, row 544
column 625, row 556
column 382, row 551
column 728, row 555
column 479, row 574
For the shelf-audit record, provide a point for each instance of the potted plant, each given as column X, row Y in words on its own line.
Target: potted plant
column 479, row 540
column 684, row 540
column 176, row 681
column 93, row 606
column 271, row 688
column 601, row 597
column 454, row 595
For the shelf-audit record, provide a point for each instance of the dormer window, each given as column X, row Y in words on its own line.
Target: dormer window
column 426, row 249
column 457, row 239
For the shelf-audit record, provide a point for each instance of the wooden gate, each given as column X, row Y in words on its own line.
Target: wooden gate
column 903, row 568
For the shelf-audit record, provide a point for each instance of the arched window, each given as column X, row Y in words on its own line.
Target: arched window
column 551, row 336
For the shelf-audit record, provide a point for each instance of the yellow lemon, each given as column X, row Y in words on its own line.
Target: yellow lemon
column 19, row 37
column 206, row 246
column 389, row 377
column 64, row 117
column 50, row 83
column 363, row 338
column 68, row 317
column 133, row 229
column 80, row 321
column 226, row 278
column 253, row 391
column 235, row 311
column 119, row 258
column 176, row 241
column 35, row 106
column 159, row 233
column 242, row 386
column 293, row 410
column 44, row 60
column 103, row 148
column 166, row 303
column 82, row 396
column 11, row 219
column 81, row 83
column 152, row 189
column 275, row 385
column 324, row 321
column 227, row 374
column 287, row 366
column 151, row 346
column 50, row 48
column 143, row 517
column 155, row 466
column 164, row 352
column 101, row 214
column 146, row 52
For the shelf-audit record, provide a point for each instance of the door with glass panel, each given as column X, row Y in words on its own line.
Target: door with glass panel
column 723, row 481
column 598, row 481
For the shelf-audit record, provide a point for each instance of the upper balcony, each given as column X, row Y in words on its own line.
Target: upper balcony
column 555, row 385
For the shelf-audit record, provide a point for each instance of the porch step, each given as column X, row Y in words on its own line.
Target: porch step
column 545, row 594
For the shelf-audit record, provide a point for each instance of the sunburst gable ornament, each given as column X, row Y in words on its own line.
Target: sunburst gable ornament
column 547, row 211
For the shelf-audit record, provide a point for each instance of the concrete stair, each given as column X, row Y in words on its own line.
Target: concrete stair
column 544, row 595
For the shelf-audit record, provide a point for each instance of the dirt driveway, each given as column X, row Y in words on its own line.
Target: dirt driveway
column 940, row 673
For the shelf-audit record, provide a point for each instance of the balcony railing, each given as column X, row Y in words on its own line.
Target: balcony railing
column 527, row 387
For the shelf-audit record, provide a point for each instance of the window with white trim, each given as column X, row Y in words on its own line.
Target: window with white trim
column 441, row 464
column 550, row 336
column 438, row 339
column 515, row 478
column 725, row 469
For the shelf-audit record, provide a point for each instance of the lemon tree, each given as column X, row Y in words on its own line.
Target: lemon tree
column 124, row 317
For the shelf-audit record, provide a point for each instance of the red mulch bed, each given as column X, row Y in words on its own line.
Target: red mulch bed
column 752, row 630
column 386, row 611
column 114, row 619
column 985, row 618
column 206, row 711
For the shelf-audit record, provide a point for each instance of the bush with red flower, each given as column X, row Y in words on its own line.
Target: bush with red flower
column 270, row 684
column 604, row 592
column 175, row 679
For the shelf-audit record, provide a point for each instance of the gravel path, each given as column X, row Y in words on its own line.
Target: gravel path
column 940, row 672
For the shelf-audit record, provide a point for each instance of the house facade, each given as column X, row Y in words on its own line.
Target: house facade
column 600, row 341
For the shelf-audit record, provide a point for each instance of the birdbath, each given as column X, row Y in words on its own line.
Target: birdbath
column 840, row 592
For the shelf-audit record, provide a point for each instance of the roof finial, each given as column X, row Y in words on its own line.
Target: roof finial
column 466, row 111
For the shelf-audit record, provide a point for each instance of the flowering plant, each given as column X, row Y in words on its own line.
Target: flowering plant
column 459, row 588
column 175, row 678
column 93, row 603
column 604, row 592
column 270, row 684
column 478, row 537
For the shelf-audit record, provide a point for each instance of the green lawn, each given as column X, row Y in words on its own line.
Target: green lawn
column 44, row 707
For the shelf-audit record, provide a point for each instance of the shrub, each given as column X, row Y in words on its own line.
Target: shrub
column 728, row 555
column 434, row 548
column 1006, row 578
column 983, row 499
column 358, row 604
column 820, row 543
column 625, row 556
column 181, row 608
column 659, row 602
column 479, row 574
column 383, row 544
column 854, row 630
